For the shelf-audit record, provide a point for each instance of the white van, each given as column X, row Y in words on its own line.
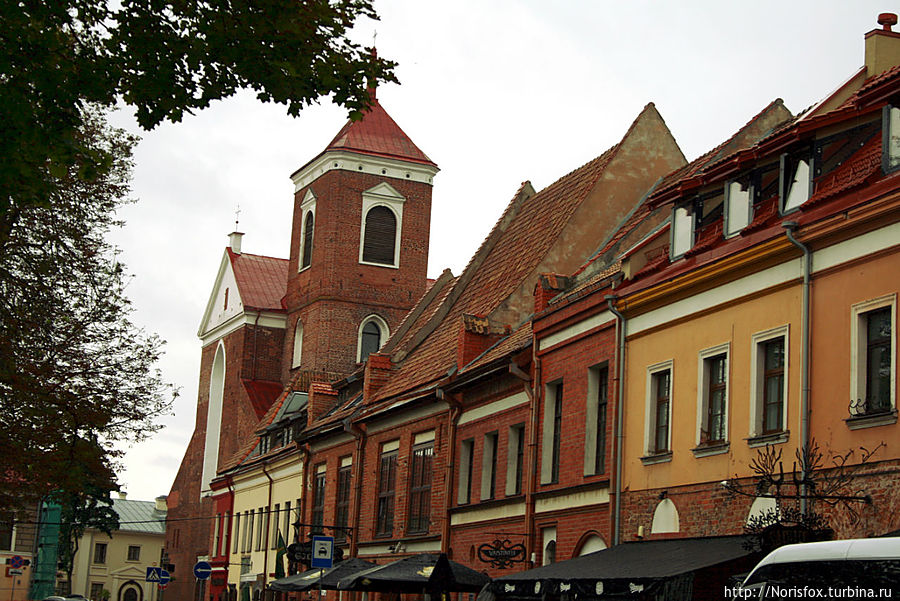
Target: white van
column 864, row 568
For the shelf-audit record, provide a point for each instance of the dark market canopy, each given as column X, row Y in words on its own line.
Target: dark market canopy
column 310, row 579
column 425, row 572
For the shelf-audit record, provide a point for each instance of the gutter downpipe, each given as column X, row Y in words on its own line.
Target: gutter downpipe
column 531, row 480
column 305, row 486
column 268, row 526
column 789, row 228
column 620, row 404
column 453, row 415
column 359, row 463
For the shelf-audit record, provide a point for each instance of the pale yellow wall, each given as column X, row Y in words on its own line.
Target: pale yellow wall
column 681, row 342
column 117, row 570
column 251, row 491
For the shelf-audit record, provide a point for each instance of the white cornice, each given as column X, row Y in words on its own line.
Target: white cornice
column 362, row 163
column 268, row 320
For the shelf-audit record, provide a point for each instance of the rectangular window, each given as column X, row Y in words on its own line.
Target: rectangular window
column 682, row 236
column 739, row 205
column 553, row 397
column 387, row 476
column 342, row 502
column 662, row 396
column 466, row 454
column 134, row 553
column 276, row 525
column 100, row 553
column 597, row 407
column 891, row 139
column 7, row 526
column 96, row 590
column 773, row 386
column 713, row 387
column 873, row 361
column 515, row 460
column 286, row 527
column 796, row 180
column 318, row 500
column 216, row 537
column 248, row 532
column 489, row 466
column 420, row 488
column 557, row 431
column 236, row 534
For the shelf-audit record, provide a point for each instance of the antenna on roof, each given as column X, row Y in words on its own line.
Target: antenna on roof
column 237, row 215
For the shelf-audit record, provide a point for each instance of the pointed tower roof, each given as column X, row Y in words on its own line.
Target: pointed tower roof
column 376, row 134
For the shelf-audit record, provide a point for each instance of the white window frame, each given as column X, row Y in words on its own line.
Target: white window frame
column 859, row 343
column 650, row 409
column 703, row 362
column 686, row 209
column 307, row 208
column 891, row 139
column 489, row 465
column 547, row 440
column 591, row 435
column 757, row 362
column 382, row 195
column 738, row 212
column 466, row 457
column 382, row 325
column 515, row 433
column 793, row 194
column 297, row 351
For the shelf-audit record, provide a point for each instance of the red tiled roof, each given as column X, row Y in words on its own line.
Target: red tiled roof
column 262, row 281
column 855, row 171
column 378, row 135
column 262, row 394
column 516, row 341
column 253, row 438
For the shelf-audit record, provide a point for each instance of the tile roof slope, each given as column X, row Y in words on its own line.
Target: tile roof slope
column 520, row 247
column 139, row 516
column 262, row 394
column 378, row 135
column 262, row 281
column 253, row 438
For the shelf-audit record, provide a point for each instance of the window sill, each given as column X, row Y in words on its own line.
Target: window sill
column 767, row 439
column 388, row 265
column 655, row 458
column 873, row 420
column 709, row 449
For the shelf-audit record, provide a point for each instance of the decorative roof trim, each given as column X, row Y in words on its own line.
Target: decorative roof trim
column 354, row 162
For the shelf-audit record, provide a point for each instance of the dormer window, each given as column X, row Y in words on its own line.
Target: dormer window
column 682, row 237
column 796, row 180
column 891, row 139
column 739, row 205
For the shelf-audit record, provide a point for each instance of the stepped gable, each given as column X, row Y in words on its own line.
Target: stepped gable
column 516, row 245
column 262, row 281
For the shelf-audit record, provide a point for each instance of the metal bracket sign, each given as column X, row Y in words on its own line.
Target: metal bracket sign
column 501, row 554
column 322, row 552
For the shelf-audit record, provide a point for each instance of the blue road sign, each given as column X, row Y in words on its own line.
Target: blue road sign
column 164, row 577
column 154, row 574
column 202, row 570
column 322, row 552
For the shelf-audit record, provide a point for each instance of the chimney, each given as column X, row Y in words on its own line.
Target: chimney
column 378, row 370
column 882, row 46
column 548, row 286
column 161, row 505
column 123, row 495
column 321, row 398
column 234, row 241
column 476, row 335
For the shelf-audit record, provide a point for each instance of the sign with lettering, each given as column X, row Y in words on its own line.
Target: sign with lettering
column 501, row 554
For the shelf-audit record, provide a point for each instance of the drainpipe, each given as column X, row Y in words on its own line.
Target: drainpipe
column 359, row 463
column 531, row 480
column 453, row 414
column 620, row 405
column 789, row 228
column 304, row 487
column 267, row 526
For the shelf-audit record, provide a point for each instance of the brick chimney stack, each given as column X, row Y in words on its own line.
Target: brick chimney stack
column 378, row 371
column 322, row 397
column 882, row 46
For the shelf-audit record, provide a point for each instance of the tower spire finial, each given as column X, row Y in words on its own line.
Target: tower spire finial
column 237, row 215
column 373, row 82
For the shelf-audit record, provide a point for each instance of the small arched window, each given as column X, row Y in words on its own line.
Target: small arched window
column 380, row 236
column 298, row 344
column 308, row 229
column 372, row 334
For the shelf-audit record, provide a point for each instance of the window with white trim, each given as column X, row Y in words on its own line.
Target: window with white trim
column 658, row 411
column 382, row 224
column 873, row 367
column 796, row 180
column 769, row 382
column 596, row 409
column 298, row 345
column 552, row 433
column 373, row 333
column 712, row 397
column 682, row 236
column 891, row 139
column 307, row 230
column 738, row 205
column 489, row 466
column 466, row 457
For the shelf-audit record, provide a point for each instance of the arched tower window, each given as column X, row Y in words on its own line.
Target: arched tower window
column 379, row 239
column 298, row 344
column 373, row 333
column 308, row 228
column 213, row 418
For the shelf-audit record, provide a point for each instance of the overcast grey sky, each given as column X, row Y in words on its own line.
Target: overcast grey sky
column 495, row 93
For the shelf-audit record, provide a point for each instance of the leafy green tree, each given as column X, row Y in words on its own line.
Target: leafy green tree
column 164, row 59
column 76, row 375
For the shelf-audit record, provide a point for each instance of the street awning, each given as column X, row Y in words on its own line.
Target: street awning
column 324, row 579
column 626, row 569
column 425, row 572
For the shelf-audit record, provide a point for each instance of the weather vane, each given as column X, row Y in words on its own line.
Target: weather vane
column 237, row 216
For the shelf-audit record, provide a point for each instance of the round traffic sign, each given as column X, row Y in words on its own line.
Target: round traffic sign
column 16, row 562
column 202, row 570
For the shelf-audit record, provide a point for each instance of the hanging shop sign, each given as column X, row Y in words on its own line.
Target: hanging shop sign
column 501, row 554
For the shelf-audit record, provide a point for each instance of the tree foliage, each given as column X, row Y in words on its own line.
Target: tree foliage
column 76, row 375
column 80, row 510
column 165, row 59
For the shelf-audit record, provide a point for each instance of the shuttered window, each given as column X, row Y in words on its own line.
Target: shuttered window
column 380, row 236
column 308, row 228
